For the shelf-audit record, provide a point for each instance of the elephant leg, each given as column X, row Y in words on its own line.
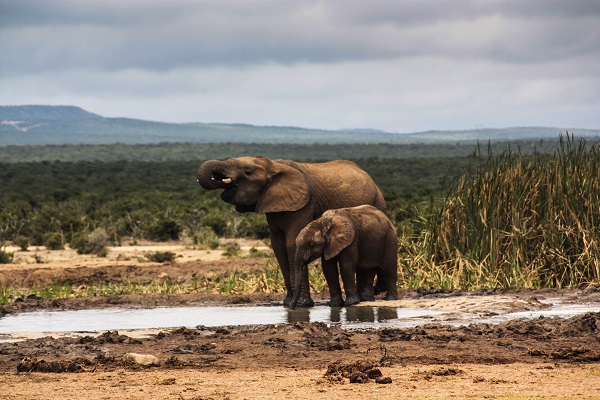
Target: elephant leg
column 347, row 270
column 330, row 270
column 280, row 250
column 364, row 281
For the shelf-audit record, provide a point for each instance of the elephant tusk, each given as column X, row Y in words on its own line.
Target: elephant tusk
column 227, row 180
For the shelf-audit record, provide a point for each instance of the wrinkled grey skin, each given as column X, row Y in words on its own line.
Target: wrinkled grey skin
column 362, row 240
column 291, row 195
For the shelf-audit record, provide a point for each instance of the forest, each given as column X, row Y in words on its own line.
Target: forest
column 484, row 219
column 160, row 200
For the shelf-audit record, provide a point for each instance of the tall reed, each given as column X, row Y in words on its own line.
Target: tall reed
column 522, row 221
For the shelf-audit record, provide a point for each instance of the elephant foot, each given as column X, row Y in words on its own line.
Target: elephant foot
column 336, row 302
column 287, row 300
column 366, row 297
column 391, row 296
column 303, row 302
column 351, row 300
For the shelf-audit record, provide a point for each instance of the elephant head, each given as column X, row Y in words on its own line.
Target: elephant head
column 326, row 237
column 256, row 184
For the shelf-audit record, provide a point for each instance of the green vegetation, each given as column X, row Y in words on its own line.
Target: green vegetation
column 202, row 151
column 5, row 257
column 162, row 200
column 161, row 256
column 22, row 242
column 514, row 222
column 524, row 222
column 268, row 280
column 513, row 219
column 94, row 243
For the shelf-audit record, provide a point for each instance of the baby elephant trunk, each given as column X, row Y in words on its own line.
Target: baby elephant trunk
column 300, row 274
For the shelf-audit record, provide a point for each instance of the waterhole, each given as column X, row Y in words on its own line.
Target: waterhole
column 191, row 317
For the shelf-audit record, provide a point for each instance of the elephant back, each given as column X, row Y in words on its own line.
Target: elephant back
column 340, row 184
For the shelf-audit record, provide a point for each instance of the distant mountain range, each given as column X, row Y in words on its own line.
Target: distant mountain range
column 44, row 125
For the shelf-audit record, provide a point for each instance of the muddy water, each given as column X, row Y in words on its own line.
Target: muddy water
column 349, row 317
column 111, row 319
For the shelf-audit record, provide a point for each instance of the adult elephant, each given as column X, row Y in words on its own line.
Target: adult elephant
column 291, row 195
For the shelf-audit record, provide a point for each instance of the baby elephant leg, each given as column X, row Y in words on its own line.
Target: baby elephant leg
column 330, row 270
column 349, row 280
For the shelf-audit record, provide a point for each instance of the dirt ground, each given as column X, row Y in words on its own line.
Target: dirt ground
column 543, row 358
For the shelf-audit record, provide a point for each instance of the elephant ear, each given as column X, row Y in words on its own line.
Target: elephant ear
column 287, row 190
column 339, row 235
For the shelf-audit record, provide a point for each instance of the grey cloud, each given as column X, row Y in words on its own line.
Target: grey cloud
column 162, row 35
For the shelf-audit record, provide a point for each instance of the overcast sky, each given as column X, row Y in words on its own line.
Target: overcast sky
column 399, row 66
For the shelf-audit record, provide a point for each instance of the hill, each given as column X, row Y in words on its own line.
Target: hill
column 59, row 125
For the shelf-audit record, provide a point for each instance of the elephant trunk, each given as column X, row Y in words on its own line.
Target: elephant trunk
column 300, row 274
column 212, row 174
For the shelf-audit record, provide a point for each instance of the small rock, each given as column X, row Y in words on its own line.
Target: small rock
column 384, row 381
column 146, row 360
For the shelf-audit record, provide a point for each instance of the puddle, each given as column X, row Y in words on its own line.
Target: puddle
column 168, row 317
column 191, row 317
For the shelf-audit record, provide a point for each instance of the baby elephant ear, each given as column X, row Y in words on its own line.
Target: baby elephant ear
column 287, row 191
column 340, row 235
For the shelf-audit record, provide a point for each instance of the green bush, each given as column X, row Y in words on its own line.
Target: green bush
column 94, row 243
column 232, row 249
column 207, row 238
column 164, row 229
column 97, row 242
column 216, row 222
column 53, row 241
column 78, row 242
column 252, row 225
column 5, row 257
column 160, row 256
column 22, row 242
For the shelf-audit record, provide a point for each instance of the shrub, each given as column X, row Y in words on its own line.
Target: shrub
column 160, row 256
column 207, row 238
column 22, row 242
column 5, row 257
column 232, row 249
column 164, row 229
column 97, row 242
column 216, row 222
column 252, row 226
column 78, row 242
column 53, row 241
column 94, row 243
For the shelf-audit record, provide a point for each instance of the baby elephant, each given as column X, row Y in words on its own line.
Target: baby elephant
column 361, row 239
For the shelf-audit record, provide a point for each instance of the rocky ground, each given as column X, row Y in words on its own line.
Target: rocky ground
column 540, row 358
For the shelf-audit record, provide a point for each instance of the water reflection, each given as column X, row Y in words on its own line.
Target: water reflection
column 343, row 314
column 298, row 315
column 163, row 317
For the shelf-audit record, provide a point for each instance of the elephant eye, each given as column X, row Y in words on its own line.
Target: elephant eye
column 248, row 171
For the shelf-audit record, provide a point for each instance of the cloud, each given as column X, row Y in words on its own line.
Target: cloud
column 400, row 66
